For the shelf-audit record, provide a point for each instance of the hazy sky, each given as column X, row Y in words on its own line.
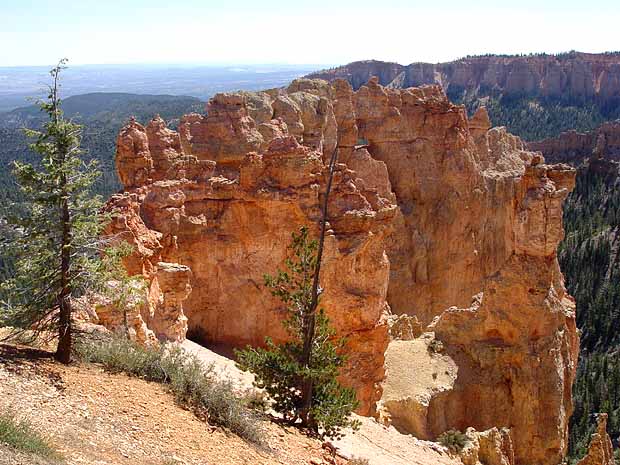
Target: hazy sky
column 38, row 32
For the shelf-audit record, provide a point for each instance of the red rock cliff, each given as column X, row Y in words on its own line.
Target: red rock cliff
column 574, row 75
column 575, row 147
column 429, row 211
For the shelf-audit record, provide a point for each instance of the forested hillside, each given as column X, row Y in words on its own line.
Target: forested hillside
column 589, row 259
column 536, row 96
column 534, row 118
column 102, row 115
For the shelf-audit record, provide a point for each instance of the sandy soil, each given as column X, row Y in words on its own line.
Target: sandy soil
column 96, row 418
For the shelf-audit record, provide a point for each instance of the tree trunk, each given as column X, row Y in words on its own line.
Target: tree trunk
column 65, row 333
column 309, row 318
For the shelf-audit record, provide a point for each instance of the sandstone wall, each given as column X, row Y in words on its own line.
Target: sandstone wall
column 223, row 196
column 430, row 211
column 480, row 218
column 576, row 76
column 574, row 147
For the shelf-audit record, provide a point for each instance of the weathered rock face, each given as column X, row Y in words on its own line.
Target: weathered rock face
column 491, row 447
column 229, row 218
column 573, row 76
column 429, row 210
column 600, row 451
column 574, row 147
column 479, row 216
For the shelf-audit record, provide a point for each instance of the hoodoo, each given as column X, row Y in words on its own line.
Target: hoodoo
column 431, row 215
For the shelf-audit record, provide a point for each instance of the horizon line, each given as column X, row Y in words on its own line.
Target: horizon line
column 299, row 65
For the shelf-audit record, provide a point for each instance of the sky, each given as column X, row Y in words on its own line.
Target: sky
column 39, row 32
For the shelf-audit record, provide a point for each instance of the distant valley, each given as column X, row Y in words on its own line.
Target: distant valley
column 17, row 84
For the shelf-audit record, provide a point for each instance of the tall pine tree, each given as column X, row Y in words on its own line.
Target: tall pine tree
column 57, row 229
column 301, row 375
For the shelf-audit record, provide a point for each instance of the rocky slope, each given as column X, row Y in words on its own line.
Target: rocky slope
column 93, row 418
column 432, row 214
column 571, row 76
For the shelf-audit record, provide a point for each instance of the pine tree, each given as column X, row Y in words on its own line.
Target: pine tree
column 301, row 375
column 57, row 229
column 281, row 369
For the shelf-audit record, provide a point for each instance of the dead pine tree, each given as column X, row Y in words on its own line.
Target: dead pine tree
column 309, row 321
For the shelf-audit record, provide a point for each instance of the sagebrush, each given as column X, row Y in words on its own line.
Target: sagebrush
column 454, row 440
column 193, row 383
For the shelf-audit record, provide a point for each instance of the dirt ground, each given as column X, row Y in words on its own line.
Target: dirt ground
column 97, row 418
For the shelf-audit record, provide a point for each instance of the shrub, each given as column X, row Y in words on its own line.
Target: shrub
column 436, row 346
column 21, row 436
column 454, row 440
column 192, row 383
column 358, row 461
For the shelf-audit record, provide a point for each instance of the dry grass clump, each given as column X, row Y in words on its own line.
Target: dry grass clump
column 19, row 435
column 192, row 383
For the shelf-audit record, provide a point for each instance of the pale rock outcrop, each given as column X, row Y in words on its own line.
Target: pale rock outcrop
column 126, row 320
column 600, row 450
column 417, row 372
column 120, row 309
column 491, row 447
column 174, row 285
column 429, row 210
column 404, row 327
column 383, row 445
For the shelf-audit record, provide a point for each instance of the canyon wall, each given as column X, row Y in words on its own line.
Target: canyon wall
column 223, row 196
column 575, row 147
column 572, row 76
column 480, row 220
column 430, row 212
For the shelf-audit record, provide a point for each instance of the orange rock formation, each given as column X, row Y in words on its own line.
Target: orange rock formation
column 573, row 75
column 428, row 211
column 600, row 451
column 575, row 147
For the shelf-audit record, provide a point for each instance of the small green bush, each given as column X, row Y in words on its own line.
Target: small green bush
column 300, row 376
column 21, row 436
column 358, row 461
column 454, row 440
column 192, row 383
column 436, row 346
